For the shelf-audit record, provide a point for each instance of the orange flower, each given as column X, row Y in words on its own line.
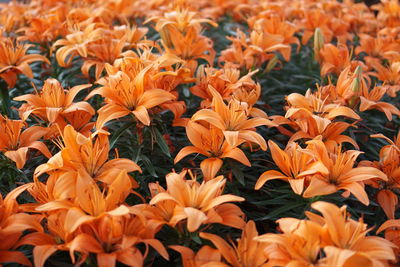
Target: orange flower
column 350, row 85
column 12, row 226
column 390, row 76
column 379, row 47
column 296, row 165
column 370, row 100
column 115, row 238
column 389, row 163
column 222, row 80
column 44, row 28
column 125, row 96
column 198, row 203
column 276, row 24
column 205, row 255
column 298, row 245
column 111, row 238
column 15, row 60
column 315, row 104
column 233, row 120
column 264, row 42
column 344, row 241
column 76, row 43
column 256, row 50
column 312, row 115
column 247, row 252
column 313, row 19
column 84, row 153
column 334, row 59
column 388, row 12
column 341, row 174
column 392, row 233
column 53, row 101
column 346, row 234
column 180, row 34
column 15, row 144
column 211, row 143
column 102, row 51
column 90, row 203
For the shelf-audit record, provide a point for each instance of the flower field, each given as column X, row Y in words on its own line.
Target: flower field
column 200, row 133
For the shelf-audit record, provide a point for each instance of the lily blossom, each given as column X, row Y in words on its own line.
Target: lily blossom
column 232, row 119
column 15, row 60
column 247, row 252
column 125, row 96
column 344, row 241
column 341, row 173
column 197, row 203
column 205, row 255
column 296, row 166
column 54, row 101
column 15, row 143
column 84, row 153
column 211, row 143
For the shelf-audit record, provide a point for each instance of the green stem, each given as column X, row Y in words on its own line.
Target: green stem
column 5, row 99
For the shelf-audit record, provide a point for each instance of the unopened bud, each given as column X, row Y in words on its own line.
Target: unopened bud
column 318, row 43
column 356, row 85
column 271, row 64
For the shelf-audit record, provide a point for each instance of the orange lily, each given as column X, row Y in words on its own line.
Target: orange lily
column 311, row 115
column 15, row 60
column 220, row 79
column 296, row 165
column 314, row 104
column 350, row 85
column 120, row 244
column 389, row 163
column 276, row 24
column 84, row 153
column 346, row 234
column 76, row 43
column 379, row 47
column 54, row 101
column 265, row 43
column 126, row 96
column 205, row 255
column 233, row 120
column 102, row 51
column 238, row 55
column 89, row 202
column 180, row 34
column 211, row 143
column 197, row 203
column 15, row 144
column 388, row 12
column 341, row 174
column 247, row 252
column 334, row 58
column 12, row 226
column 343, row 240
column 390, row 76
column 298, row 245
column 392, row 233
column 313, row 19
column 370, row 100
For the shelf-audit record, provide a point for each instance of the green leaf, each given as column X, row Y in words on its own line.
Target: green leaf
column 119, row 133
column 162, row 144
column 148, row 165
column 287, row 207
column 195, row 237
column 5, row 99
column 238, row 174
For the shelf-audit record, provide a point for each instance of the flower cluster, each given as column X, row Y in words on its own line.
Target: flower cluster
column 200, row 133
